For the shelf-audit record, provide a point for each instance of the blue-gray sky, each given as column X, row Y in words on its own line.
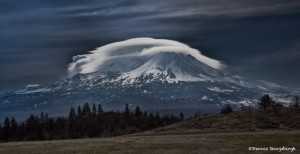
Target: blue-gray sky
column 257, row 39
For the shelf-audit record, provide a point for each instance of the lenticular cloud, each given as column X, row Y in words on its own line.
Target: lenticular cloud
column 132, row 53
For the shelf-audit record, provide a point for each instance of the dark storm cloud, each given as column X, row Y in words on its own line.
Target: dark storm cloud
column 39, row 38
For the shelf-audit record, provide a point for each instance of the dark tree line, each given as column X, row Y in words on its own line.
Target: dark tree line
column 84, row 122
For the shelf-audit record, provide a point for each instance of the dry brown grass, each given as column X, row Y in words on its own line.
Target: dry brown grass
column 193, row 143
column 251, row 120
column 211, row 134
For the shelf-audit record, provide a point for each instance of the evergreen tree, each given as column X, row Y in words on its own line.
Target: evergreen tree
column 21, row 132
column 181, row 115
column 35, row 128
column 42, row 117
column 42, row 120
column 100, row 110
column 50, row 128
column 145, row 114
column 157, row 119
column 1, row 134
column 166, row 119
column 100, row 119
column 71, row 122
column 138, row 112
column 86, row 110
column 151, row 121
column 46, row 116
column 79, row 112
column 94, row 110
column 39, row 129
column 127, row 113
column 6, row 129
column 13, row 128
column 172, row 119
column 31, row 128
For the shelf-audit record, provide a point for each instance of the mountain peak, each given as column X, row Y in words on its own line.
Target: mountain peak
column 143, row 55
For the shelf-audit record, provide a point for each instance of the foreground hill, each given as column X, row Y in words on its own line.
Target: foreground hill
column 249, row 120
column 229, row 133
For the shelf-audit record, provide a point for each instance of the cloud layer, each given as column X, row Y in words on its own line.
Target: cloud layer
column 39, row 34
column 132, row 50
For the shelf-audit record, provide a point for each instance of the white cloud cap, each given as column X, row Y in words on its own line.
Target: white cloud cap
column 132, row 48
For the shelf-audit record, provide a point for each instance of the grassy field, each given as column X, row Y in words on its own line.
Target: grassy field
column 252, row 120
column 139, row 143
column 219, row 133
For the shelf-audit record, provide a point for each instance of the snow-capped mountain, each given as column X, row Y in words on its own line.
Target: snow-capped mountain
column 158, row 75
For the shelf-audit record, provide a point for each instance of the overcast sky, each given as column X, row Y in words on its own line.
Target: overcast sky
column 258, row 39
